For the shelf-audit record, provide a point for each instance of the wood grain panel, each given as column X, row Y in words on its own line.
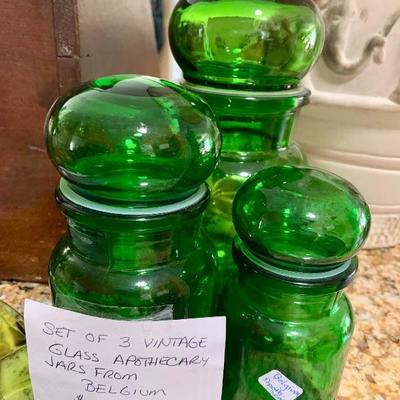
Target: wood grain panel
column 29, row 221
column 47, row 47
column 66, row 31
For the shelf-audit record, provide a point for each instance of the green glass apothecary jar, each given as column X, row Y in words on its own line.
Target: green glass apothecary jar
column 253, row 44
column 257, row 130
column 132, row 138
column 128, row 263
column 289, row 322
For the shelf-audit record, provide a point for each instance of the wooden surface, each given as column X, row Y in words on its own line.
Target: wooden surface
column 29, row 221
column 66, row 35
column 47, row 47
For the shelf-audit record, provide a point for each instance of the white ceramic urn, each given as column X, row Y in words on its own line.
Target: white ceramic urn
column 352, row 126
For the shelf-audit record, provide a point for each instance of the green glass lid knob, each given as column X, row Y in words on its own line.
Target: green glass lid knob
column 130, row 138
column 301, row 216
column 253, row 44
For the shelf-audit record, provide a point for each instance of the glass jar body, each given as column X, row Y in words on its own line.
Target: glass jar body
column 257, row 130
column 231, row 172
column 304, row 337
column 156, row 268
column 253, row 44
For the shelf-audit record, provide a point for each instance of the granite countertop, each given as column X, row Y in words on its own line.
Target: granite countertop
column 373, row 366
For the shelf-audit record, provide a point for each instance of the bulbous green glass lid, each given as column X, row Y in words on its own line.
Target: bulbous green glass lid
column 253, row 44
column 134, row 139
column 304, row 217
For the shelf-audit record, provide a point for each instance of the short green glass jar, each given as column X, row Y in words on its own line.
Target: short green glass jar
column 289, row 322
column 133, row 263
column 131, row 138
column 257, row 130
column 251, row 44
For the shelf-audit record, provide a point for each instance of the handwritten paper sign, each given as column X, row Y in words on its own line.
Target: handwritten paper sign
column 78, row 357
column 280, row 387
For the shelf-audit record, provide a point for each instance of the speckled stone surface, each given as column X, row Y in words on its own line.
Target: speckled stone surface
column 373, row 366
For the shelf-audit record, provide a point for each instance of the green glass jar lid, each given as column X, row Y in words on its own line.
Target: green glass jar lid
column 301, row 218
column 258, row 44
column 135, row 139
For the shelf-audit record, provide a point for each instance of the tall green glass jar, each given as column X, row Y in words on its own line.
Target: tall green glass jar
column 134, row 153
column 125, row 263
column 246, row 58
column 289, row 322
column 246, row 44
column 257, row 128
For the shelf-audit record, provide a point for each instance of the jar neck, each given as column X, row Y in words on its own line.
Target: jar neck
column 291, row 294
column 133, row 245
column 281, row 303
column 257, row 136
column 126, row 238
column 254, row 122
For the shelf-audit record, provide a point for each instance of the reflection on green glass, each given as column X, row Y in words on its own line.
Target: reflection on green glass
column 132, row 138
column 260, row 44
column 257, row 129
column 303, row 332
column 295, row 253
column 301, row 215
column 123, row 263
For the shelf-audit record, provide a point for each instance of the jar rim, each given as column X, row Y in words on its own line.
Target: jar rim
column 65, row 195
column 339, row 276
column 299, row 91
